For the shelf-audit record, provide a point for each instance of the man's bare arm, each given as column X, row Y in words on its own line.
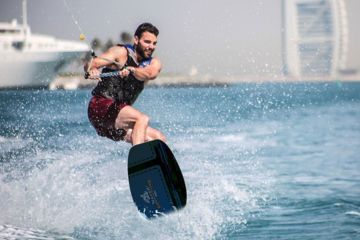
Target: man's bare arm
column 113, row 56
column 149, row 72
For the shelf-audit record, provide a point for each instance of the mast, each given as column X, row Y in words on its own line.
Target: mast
column 24, row 16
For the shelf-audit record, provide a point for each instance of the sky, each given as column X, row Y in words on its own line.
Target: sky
column 228, row 37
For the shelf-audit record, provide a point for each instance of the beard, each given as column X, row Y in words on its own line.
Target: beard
column 141, row 51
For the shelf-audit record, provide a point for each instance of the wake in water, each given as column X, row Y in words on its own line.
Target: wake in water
column 85, row 194
column 8, row 232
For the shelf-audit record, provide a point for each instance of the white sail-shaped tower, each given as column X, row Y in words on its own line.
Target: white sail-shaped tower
column 314, row 37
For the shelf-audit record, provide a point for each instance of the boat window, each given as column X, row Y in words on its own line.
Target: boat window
column 18, row 45
column 9, row 31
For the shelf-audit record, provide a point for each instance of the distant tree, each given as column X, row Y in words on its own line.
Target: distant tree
column 108, row 44
column 96, row 44
column 126, row 38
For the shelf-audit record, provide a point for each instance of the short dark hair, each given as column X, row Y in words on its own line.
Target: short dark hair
column 146, row 27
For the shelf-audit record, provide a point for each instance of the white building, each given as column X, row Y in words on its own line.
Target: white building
column 315, row 37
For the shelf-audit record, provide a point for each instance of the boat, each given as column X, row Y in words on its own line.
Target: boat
column 33, row 60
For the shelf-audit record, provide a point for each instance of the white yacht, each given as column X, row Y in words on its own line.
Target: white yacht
column 33, row 60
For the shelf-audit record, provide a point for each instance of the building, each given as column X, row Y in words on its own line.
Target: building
column 314, row 38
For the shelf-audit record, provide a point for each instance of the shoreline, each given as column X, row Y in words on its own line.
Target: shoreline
column 75, row 81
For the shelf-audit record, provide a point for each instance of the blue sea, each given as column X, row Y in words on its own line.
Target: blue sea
column 260, row 161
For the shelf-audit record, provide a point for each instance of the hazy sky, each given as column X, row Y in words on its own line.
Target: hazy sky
column 219, row 37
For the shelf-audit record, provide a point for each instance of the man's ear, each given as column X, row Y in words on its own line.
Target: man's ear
column 136, row 40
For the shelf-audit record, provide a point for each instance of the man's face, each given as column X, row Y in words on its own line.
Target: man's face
column 145, row 46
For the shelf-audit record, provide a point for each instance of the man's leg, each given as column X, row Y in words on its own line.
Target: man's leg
column 130, row 118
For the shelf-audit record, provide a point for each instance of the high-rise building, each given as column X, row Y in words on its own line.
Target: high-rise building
column 314, row 37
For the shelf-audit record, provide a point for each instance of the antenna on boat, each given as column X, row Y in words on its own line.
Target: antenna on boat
column 24, row 18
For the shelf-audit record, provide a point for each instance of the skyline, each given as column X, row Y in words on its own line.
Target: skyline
column 201, row 34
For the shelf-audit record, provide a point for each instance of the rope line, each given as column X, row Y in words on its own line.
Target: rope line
column 83, row 38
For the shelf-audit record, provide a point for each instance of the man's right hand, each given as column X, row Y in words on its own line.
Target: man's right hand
column 94, row 74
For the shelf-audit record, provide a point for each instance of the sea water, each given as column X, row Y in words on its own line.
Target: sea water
column 260, row 161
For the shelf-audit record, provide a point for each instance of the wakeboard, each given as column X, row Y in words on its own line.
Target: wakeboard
column 156, row 183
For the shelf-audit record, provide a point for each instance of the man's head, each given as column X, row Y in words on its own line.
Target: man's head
column 145, row 39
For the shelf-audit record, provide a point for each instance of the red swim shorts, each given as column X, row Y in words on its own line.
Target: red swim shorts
column 102, row 113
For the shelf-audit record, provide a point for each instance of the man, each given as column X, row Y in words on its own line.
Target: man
column 110, row 109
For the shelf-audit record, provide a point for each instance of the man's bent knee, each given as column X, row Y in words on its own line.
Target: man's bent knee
column 160, row 136
column 144, row 119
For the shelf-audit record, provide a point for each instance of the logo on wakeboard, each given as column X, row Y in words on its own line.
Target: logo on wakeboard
column 145, row 196
column 150, row 195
